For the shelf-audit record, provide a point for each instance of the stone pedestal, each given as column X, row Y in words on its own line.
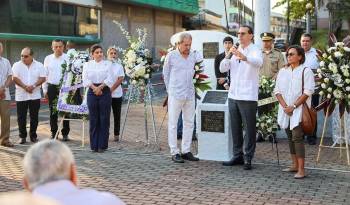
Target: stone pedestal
column 214, row 133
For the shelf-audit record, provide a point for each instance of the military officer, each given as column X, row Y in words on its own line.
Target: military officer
column 273, row 58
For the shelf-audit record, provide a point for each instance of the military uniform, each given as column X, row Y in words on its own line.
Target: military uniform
column 273, row 59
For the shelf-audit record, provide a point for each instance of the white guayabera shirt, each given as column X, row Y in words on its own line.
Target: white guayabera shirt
column 178, row 74
column 28, row 76
column 311, row 60
column 244, row 74
column 53, row 66
column 289, row 85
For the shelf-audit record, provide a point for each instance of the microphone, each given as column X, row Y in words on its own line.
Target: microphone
column 229, row 56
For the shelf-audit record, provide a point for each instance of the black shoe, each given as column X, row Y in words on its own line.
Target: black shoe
column 194, row 137
column 179, row 137
column 33, row 139
column 101, row 150
column 247, row 165
column 189, row 156
column 234, row 161
column 65, row 138
column 23, row 141
column 177, row 158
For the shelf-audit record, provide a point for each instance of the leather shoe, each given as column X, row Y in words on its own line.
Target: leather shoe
column 34, row 140
column 177, row 158
column 65, row 138
column 189, row 156
column 234, row 161
column 247, row 165
column 311, row 140
column 23, row 141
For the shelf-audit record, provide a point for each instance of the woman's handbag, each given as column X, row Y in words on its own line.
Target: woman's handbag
column 309, row 115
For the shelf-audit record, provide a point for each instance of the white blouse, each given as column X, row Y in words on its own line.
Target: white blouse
column 118, row 71
column 98, row 72
column 289, row 85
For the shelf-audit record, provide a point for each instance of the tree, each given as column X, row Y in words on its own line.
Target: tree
column 297, row 8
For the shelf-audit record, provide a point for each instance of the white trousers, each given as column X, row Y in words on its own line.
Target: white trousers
column 187, row 107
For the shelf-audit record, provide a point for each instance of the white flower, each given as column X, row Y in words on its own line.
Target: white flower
column 338, row 54
column 347, row 80
column 134, row 82
column 321, row 93
column 329, row 96
column 347, row 49
column 139, row 60
column 196, row 67
column 324, row 55
column 339, row 44
column 349, row 96
column 323, row 85
column 146, row 76
column 319, row 75
column 347, row 88
column 322, row 63
column 331, row 49
column 346, row 73
column 329, row 89
column 326, row 80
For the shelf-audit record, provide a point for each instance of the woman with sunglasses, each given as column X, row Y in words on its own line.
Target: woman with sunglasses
column 116, row 89
column 290, row 96
column 96, row 76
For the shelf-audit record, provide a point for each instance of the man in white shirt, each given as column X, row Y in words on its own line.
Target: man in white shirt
column 244, row 64
column 53, row 65
column 5, row 98
column 311, row 61
column 178, row 71
column 28, row 75
column 50, row 171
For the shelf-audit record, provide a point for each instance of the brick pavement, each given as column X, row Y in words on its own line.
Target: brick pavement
column 141, row 174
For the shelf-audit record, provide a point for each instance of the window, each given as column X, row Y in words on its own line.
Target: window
column 42, row 17
column 35, row 6
column 53, row 7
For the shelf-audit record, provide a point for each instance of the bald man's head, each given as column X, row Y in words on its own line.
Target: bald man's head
column 27, row 55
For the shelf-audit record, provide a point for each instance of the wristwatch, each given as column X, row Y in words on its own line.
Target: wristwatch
column 294, row 106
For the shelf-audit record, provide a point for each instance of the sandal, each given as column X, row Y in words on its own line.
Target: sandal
column 297, row 176
column 289, row 170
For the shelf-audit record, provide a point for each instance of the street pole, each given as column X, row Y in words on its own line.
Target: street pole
column 308, row 17
column 261, row 19
column 288, row 22
column 227, row 27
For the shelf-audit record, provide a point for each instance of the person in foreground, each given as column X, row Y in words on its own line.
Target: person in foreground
column 291, row 94
column 243, row 63
column 50, row 171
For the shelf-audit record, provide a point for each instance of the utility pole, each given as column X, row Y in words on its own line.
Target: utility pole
column 288, row 22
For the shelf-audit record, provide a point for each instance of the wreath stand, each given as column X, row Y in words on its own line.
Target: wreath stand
column 83, row 121
column 149, row 96
column 343, row 135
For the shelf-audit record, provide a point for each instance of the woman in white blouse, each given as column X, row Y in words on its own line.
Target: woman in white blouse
column 288, row 91
column 96, row 76
column 116, row 89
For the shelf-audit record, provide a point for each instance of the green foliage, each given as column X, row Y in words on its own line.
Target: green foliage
column 320, row 39
column 297, row 7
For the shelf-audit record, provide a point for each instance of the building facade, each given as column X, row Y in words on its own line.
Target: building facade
column 36, row 23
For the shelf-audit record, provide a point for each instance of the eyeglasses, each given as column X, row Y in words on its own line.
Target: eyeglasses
column 241, row 33
column 290, row 54
column 24, row 56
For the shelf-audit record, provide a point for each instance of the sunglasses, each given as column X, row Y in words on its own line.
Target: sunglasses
column 290, row 54
column 241, row 33
column 24, row 56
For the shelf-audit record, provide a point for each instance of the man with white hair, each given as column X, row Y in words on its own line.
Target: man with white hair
column 178, row 71
column 50, row 171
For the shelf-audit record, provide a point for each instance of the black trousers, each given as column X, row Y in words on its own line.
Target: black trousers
column 22, row 108
column 243, row 112
column 52, row 93
column 117, row 107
